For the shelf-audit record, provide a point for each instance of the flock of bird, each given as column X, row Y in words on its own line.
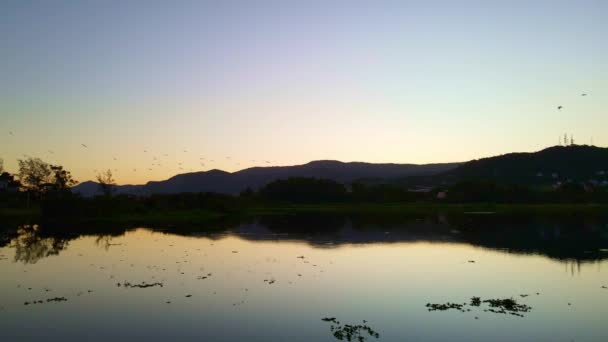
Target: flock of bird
column 560, row 107
column 155, row 161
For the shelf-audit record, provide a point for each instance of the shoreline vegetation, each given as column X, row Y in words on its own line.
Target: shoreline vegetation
column 45, row 193
column 204, row 216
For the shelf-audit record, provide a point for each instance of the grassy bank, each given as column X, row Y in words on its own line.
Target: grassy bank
column 205, row 216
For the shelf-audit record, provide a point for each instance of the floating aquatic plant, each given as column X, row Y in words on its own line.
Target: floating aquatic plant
column 142, row 285
column 500, row 306
column 348, row 332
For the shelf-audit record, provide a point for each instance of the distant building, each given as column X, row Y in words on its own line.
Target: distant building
column 8, row 183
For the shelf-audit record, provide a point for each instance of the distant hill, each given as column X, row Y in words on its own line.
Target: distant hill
column 256, row 177
column 548, row 166
column 576, row 162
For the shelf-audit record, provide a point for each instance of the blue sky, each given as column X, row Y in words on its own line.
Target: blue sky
column 293, row 81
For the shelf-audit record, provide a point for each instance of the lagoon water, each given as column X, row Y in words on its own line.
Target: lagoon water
column 274, row 280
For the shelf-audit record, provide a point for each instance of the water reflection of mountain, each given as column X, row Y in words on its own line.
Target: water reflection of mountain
column 580, row 239
column 572, row 238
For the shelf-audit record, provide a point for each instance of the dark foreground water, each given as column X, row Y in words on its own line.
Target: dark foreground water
column 276, row 279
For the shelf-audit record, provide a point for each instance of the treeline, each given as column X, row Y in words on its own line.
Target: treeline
column 310, row 190
column 48, row 187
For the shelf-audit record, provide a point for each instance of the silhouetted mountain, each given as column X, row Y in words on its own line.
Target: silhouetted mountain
column 576, row 162
column 545, row 167
column 256, row 177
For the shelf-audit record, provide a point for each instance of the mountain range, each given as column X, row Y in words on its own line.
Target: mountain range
column 548, row 166
column 234, row 182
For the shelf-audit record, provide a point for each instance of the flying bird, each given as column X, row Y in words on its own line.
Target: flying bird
column 85, row 146
column 115, row 158
column 559, row 107
column 10, row 132
column 584, row 94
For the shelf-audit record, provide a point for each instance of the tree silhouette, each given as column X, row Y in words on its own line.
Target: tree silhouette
column 63, row 179
column 106, row 182
column 34, row 174
column 1, row 166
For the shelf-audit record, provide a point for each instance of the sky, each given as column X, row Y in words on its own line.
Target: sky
column 202, row 85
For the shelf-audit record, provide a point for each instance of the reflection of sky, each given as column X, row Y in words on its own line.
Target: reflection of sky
column 287, row 82
column 386, row 284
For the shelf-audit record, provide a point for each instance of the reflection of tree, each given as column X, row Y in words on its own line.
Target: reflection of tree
column 31, row 246
column 105, row 241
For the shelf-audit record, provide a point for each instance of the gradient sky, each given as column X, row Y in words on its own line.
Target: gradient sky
column 293, row 81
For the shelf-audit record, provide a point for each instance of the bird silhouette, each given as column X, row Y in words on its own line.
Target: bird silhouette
column 115, row 158
column 559, row 107
column 85, row 146
column 583, row 94
column 10, row 132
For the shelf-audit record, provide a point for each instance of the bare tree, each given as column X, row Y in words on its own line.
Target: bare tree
column 106, row 182
column 34, row 174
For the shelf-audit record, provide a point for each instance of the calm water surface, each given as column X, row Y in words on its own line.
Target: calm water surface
column 249, row 282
